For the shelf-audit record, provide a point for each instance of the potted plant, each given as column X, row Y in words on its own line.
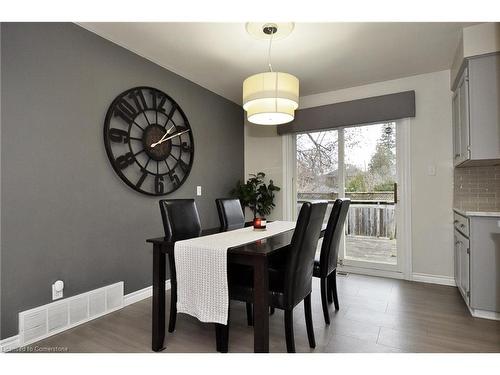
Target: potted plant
column 256, row 195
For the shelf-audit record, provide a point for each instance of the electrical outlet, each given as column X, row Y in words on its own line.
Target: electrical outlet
column 431, row 170
column 198, row 190
column 57, row 290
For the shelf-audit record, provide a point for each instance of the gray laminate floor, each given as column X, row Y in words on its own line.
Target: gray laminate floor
column 376, row 315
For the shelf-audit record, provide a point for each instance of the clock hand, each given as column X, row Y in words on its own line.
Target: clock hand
column 175, row 135
column 172, row 136
column 168, row 131
column 163, row 138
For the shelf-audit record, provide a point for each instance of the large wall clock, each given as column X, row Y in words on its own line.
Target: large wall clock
column 149, row 141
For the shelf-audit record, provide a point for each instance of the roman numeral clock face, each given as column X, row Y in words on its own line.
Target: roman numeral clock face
column 149, row 141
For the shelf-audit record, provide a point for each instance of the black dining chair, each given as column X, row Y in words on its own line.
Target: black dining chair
column 291, row 283
column 231, row 214
column 180, row 222
column 325, row 265
column 231, row 217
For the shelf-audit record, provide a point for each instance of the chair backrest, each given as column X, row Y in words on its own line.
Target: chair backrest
column 180, row 218
column 230, row 213
column 333, row 233
column 300, row 262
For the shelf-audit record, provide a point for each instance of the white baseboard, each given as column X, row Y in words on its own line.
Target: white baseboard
column 477, row 313
column 418, row 277
column 14, row 342
column 371, row 272
column 10, row 343
column 141, row 294
column 433, row 279
column 484, row 314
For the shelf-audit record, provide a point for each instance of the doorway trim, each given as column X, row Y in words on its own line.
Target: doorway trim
column 403, row 143
column 289, row 148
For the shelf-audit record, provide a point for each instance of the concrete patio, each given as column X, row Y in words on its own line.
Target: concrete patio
column 371, row 249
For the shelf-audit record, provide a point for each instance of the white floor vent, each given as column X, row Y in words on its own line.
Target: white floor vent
column 55, row 317
column 78, row 309
column 34, row 325
column 97, row 303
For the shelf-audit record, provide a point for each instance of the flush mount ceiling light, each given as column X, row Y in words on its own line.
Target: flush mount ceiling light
column 270, row 98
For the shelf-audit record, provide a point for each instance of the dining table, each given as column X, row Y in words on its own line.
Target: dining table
column 255, row 254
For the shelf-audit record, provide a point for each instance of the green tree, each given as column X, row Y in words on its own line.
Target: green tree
column 385, row 186
column 356, row 183
column 382, row 166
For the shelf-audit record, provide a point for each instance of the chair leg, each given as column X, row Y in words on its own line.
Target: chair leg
column 173, row 307
column 217, row 336
column 173, row 294
column 271, row 310
column 249, row 314
column 309, row 321
column 329, row 292
column 290, row 340
column 324, row 303
column 333, row 283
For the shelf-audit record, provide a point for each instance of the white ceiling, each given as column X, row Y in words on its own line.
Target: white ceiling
column 324, row 56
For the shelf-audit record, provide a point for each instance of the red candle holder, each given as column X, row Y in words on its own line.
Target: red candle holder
column 259, row 224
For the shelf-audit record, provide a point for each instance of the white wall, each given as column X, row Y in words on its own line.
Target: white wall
column 431, row 144
column 263, row 153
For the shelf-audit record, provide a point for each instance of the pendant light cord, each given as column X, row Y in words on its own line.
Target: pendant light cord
column 269, row 53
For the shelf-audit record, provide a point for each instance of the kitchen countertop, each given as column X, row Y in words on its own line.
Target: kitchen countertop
column 477, row 213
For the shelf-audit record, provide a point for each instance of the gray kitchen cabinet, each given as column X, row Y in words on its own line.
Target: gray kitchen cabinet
column 464, row 268
column 461, row 142
column 477, row 262
column 476, row 112
column 462, row 264
column 456, row 258
column 485, row 240
column 456, row 127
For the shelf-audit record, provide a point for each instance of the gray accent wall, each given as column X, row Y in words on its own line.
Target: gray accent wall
column 65, row 214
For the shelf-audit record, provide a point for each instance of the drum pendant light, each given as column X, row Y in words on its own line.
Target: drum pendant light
column 270, row 98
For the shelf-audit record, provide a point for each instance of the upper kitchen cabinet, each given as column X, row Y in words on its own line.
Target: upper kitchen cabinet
column 476, row 112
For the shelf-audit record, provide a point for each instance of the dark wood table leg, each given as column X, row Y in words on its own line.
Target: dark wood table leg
column 261, row 306
column 222, row 337
column 159, row 272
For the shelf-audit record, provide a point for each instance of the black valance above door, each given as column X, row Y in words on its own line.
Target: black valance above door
column 354, row 112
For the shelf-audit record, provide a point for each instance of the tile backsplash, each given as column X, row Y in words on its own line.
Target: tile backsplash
column 477, row 188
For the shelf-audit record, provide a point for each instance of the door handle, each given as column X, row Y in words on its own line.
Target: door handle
column 395, row 193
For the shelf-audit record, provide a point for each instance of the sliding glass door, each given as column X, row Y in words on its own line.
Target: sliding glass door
column 370, row 182
column 317, row 167
column 360, row 163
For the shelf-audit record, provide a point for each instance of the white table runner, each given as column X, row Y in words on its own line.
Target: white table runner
column 201, row 266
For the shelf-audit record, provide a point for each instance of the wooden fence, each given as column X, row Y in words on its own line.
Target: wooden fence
column 373, row 219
